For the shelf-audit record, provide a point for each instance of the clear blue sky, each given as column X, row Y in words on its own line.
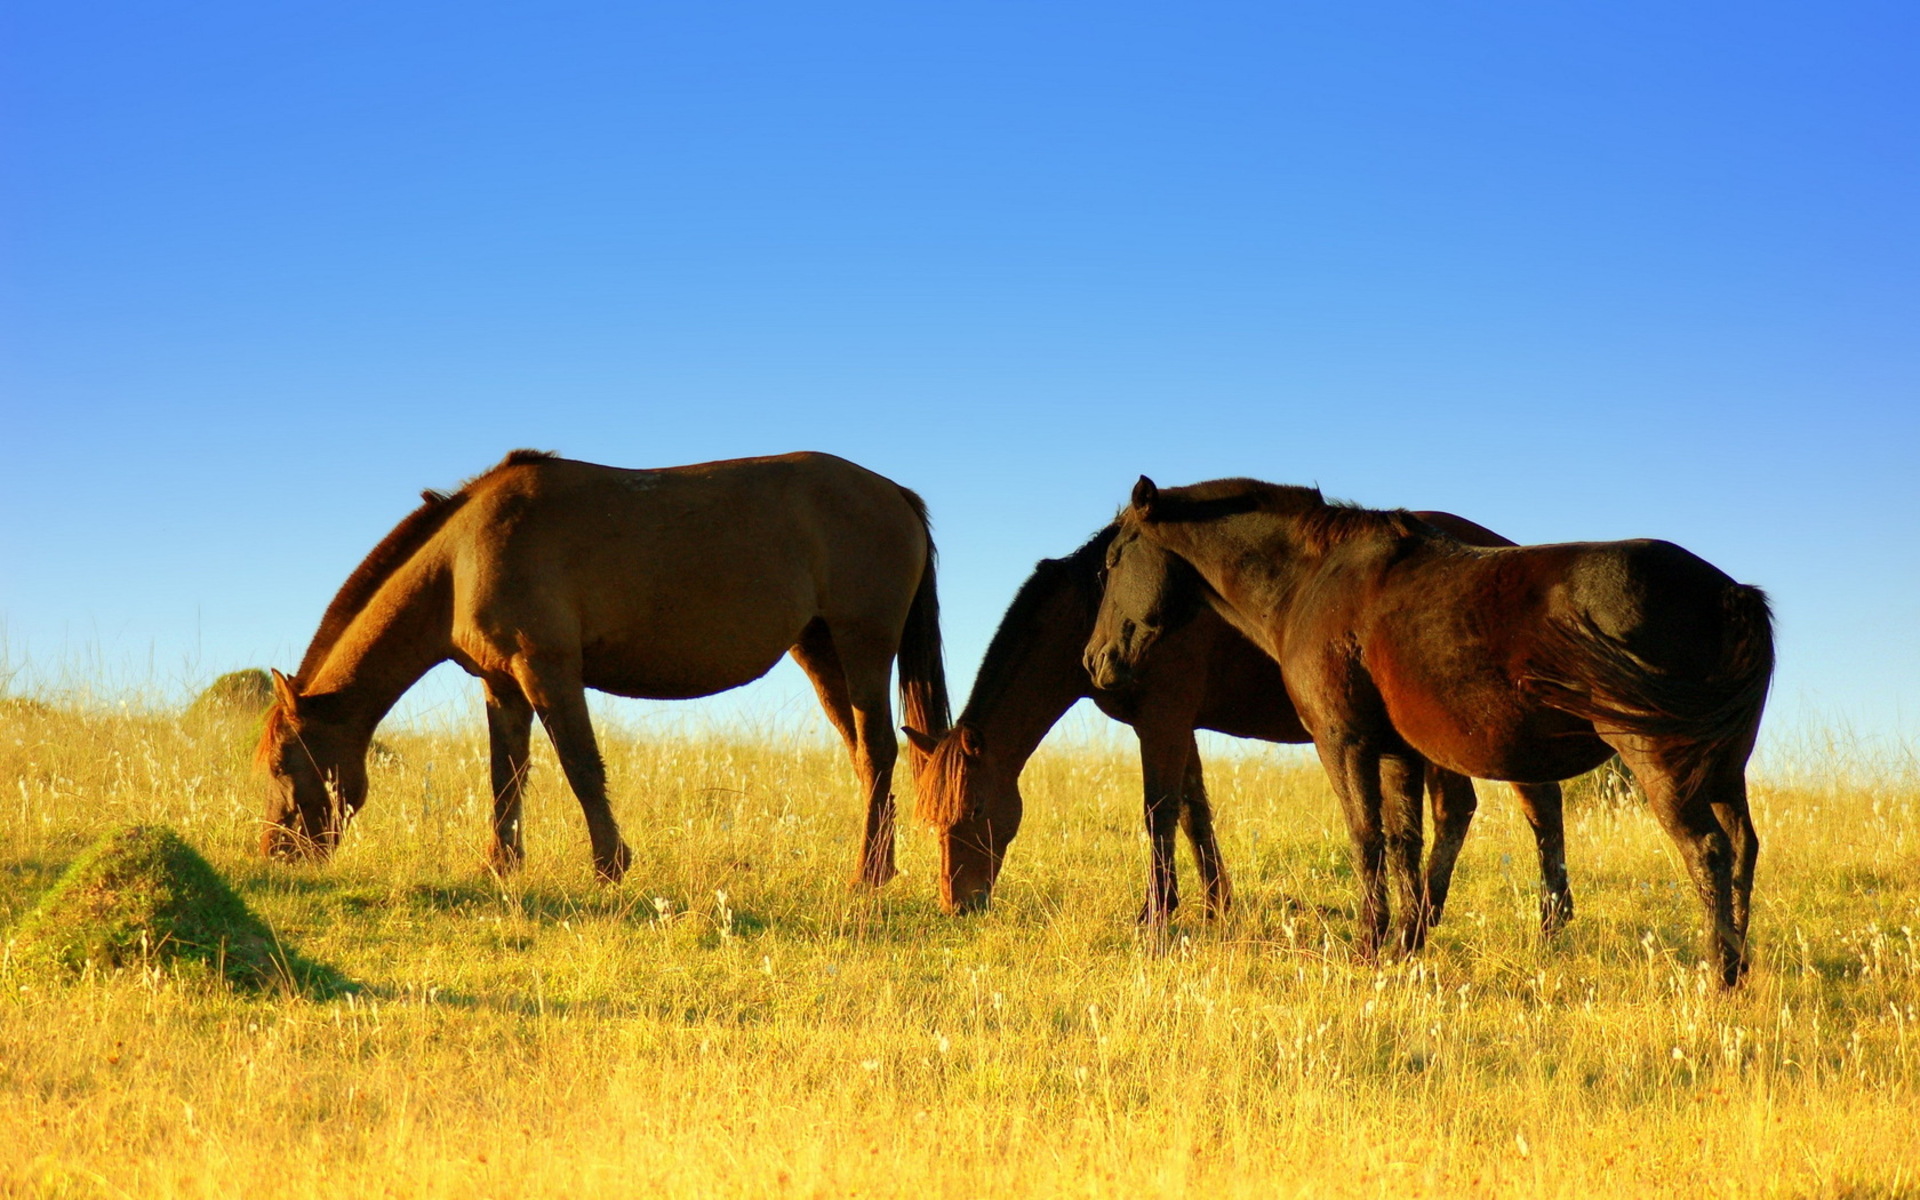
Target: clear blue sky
column 1575, row 271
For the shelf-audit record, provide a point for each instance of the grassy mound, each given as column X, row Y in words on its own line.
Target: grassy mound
column 245, row 693
column 142, row 897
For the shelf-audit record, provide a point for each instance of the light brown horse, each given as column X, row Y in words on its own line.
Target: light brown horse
column 545, row 577
column 1201, row 675
column 1401, row 644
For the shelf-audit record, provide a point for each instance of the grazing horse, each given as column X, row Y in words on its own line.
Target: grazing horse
column 545, row 577
column 1203, row 675
column 1402, row 645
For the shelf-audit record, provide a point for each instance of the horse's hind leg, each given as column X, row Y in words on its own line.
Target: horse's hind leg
column 817, row 657
column 1704, row 846
column 1454, row 802
column 509, row 728
column 1730, row 808
column 553, row 686
column 1541, row 804
column 1196, row 818
column 867, row 667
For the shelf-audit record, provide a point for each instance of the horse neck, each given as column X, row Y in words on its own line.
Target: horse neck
column 1020, row 699
column 404, row 631
column 1252, row 565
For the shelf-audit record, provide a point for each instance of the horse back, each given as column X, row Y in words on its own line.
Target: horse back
column 677, row 580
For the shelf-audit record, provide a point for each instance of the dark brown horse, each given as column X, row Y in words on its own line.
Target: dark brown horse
column 1402, row 645
column 1202, row 675
column 545, row 577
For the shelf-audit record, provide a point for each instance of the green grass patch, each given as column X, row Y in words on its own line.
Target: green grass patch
column 142, row 898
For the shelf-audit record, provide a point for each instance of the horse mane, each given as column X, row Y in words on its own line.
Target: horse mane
column 514, row 458
column 943, row 798
column 1078, row 571
column 391, row 554
column 378, row 566
column 1317, row 522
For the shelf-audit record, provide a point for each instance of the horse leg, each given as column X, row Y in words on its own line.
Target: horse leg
column 1163, row 772
column 1402, row 790
column 867, row 664
column 1196, row 818
column 509, row 728
column 1690, row 821
column 1355, row 774
column 1541, row 804
column 1454, row 802
column 1730, row 809
column 818, row 658
column 554, row 689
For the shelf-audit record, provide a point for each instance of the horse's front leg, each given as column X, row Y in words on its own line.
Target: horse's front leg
column 1454, row 802
column 1354, row 770
column 1542, row 805
column 509, row 729
column 1196, row 818
column 1404, row 817
column 552, row 686
column 1163, row 771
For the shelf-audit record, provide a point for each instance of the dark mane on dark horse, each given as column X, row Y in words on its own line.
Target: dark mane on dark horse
column 1080, row 568
column 942, row 793
column 1317, row 521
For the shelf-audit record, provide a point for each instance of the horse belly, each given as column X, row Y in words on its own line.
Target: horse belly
column 646, row 676
column 1468, row 718
column 680, row 647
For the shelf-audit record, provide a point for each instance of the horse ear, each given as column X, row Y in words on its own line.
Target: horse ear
column 283, row 691
column 1145, row 494
column 922, row 741
column 970, row 744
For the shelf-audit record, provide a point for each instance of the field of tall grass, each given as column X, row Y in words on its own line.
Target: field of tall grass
column 732, row 1020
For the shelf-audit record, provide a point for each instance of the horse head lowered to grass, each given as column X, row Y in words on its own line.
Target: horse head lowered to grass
column 544, row 577
column 1401, row 644
column 1202, row 675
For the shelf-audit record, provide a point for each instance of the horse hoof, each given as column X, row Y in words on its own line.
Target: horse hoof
column 1148, row 917
column 1555, row 913
column 873, row 879
column 969, row 904
column 505, row 860
column 613, row 868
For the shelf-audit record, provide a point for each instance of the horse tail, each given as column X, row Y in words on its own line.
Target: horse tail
column 1592, row 675
column 923, row 669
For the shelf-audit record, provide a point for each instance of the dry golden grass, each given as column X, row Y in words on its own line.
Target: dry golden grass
column 732, row 1021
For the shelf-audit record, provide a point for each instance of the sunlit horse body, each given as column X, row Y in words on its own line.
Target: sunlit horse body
column 1202, row 675
column 544, row 577
column 1400, row 643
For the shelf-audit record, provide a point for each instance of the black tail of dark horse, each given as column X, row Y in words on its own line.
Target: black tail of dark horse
column 1591, row 675
column 922, row 662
